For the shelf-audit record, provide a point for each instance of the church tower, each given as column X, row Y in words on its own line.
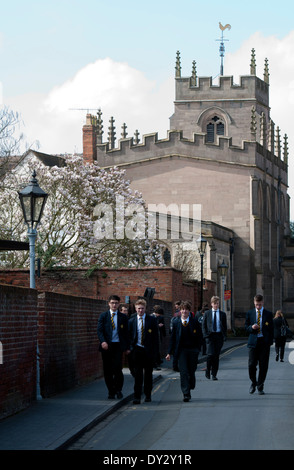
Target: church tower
column 225, row 109
column 223, row 152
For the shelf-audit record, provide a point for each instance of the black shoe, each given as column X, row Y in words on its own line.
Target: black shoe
column 119, row 395
column 252, row 388
column 260, row 392
column 187, row 397
column 136, row 401
column 111, row 397
column 214, row 377
column 147, row 399
column 207, row 374
column 277, row 357
column 281, row 360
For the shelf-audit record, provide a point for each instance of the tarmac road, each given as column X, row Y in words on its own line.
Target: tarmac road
column 221, row 415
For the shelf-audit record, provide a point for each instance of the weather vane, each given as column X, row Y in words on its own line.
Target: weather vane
column 222, row 46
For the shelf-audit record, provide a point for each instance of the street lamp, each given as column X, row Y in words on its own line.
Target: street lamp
column 223, row 269
column 201, row 243
column 32, row 200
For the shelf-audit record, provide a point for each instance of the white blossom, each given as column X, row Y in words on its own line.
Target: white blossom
column 66, row 233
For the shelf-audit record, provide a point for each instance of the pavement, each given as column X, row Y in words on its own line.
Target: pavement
column 54, row 423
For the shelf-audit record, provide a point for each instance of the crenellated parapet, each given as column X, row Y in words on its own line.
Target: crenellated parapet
column 225, row 123
column 128, row 152
column 203, row 88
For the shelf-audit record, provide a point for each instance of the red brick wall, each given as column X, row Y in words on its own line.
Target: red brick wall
column 65, row 281
column 66, row 326
column 100, row 284
column 67, row 338
column 18, row 336
column 133, row 282
column 68, row 341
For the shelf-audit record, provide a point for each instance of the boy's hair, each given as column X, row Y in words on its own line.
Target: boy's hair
column 113, row 297
column 123, row 306
column 158, row 309
column 186, row 305
column 141, row 302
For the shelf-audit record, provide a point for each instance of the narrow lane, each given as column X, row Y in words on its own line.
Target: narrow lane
column 222, row 415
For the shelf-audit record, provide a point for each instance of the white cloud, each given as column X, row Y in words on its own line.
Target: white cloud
column 126, row 94
column 119, row 90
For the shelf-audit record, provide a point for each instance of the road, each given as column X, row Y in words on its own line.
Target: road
column 221, row 415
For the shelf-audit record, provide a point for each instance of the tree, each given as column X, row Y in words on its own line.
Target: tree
column 9, row 142
column 77, row 228
column 185, row 259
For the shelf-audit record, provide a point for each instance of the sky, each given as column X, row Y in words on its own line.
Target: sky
column 59, row 59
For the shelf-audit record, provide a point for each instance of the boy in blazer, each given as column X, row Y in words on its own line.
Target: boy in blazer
column 185, row 345
column 113, row 335
column 144, row 346
column 214, row 329
column 259, row 325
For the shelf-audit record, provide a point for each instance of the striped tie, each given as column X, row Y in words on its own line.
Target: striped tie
column 112, row 321
column 142, row 332
column 258, row 319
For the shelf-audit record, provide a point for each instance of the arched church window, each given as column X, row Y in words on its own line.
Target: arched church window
column 214, row 127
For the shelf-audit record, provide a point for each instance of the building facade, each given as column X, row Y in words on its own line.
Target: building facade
column 224, row 153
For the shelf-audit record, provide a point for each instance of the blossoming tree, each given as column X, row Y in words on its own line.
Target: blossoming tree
column 83, row 224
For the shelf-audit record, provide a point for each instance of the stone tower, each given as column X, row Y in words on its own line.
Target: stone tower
column 222, row 151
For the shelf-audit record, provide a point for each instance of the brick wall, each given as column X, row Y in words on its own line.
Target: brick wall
column 68, row 342
column 66, row 325
column 65, row 328
column 18, row 336
column 167, row 281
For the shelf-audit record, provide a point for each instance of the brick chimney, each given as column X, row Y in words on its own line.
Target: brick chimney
column 89, row 139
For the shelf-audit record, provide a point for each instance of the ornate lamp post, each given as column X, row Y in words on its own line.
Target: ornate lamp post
column 32, row 200
column 201, row 243
column 223, row 269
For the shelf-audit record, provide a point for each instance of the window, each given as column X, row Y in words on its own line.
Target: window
column 214, row 127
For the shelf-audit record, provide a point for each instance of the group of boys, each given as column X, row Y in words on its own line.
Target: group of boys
column 138, row 338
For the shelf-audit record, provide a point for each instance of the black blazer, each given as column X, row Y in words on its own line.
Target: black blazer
column 175, row 339
column 151, row 336
column 104, row 330
column 267, row 327
column 278, row 322
column 207, row 323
